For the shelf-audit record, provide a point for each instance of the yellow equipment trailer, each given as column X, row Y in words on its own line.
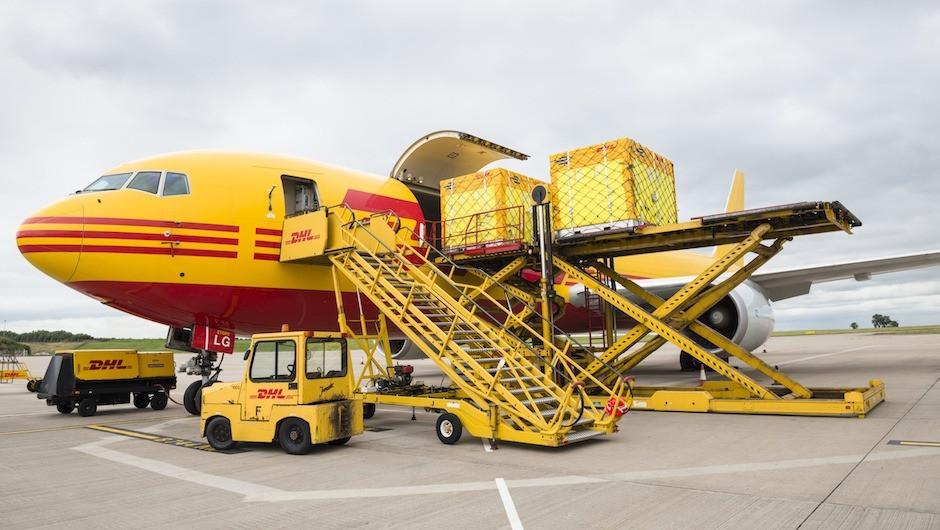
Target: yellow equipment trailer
column 297, row 389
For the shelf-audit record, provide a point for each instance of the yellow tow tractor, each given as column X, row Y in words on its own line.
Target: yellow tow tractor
column 298, row 389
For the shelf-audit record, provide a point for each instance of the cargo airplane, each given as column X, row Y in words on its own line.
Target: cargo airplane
column 191, row 240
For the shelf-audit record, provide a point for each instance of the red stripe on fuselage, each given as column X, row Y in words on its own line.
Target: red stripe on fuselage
column 119, row 249
column 78, row 234
column 370, row 202
column 267, row 232
column 131, row 222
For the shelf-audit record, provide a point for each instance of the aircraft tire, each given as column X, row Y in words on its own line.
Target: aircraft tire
column 192, row 398
column 687, row 363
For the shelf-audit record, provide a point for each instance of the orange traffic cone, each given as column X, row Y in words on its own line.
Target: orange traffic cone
column 701, row 374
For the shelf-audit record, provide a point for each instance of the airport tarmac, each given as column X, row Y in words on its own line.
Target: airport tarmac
column 662, row 470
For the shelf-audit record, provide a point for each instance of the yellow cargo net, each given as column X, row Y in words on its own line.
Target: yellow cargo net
column 614, row 185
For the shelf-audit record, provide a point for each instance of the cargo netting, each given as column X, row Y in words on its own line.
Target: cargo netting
column 615, row 185
column 485, row 209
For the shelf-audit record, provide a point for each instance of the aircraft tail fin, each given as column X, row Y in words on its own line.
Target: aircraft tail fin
column 735, row 203
column 736, row 196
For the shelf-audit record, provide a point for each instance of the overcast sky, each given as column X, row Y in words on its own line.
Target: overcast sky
column 812, row 100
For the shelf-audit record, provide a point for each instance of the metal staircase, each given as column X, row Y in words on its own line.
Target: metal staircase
column 520, row 392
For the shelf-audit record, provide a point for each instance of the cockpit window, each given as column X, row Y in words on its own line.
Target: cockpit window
column 176, row 184
column 148, row 181
column 108, row 182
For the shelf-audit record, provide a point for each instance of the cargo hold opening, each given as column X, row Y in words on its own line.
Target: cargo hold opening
column 440, row 156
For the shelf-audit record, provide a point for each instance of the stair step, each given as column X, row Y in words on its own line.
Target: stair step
column 580, row 436
column 583, row 421
column 479, row 350
column 530, row 389
column 505, row 380
column 489, row 360
column 539, row 401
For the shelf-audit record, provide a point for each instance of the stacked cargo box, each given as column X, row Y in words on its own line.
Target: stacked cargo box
column 614, row 185
column 485, row 209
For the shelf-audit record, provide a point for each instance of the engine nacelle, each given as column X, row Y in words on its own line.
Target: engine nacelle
column 744, row 316
column 405, row 349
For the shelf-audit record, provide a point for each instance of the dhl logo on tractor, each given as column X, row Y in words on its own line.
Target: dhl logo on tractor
column 272, row 393
column 107, row 364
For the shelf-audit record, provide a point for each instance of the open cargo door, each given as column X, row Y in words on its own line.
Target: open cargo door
column 443, row 155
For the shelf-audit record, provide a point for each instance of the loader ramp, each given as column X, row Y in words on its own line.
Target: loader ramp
column 501, row 387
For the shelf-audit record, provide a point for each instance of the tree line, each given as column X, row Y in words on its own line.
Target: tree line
column 43, row 335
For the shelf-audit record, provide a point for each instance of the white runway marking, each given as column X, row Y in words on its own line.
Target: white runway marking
column 514, row 522
column 747, row 369
column 824, row 355
column 258, row 493
column 241, row 487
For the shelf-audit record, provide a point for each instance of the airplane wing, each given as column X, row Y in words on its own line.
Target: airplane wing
column 784, row 284
column 789, row 283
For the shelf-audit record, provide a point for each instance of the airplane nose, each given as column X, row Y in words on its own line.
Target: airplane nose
column 51, row 239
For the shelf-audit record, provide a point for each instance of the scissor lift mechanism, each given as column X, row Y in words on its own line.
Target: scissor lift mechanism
column 747, row 230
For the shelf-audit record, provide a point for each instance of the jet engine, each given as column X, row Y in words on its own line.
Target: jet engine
column 744, row 316
column 405, row 349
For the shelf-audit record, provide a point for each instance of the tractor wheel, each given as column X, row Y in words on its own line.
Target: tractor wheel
column 368, row 410
column 294, row 435
column 219, row 434
column 65, row 408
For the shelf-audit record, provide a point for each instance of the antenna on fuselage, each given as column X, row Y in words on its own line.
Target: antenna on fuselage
column 270, row 205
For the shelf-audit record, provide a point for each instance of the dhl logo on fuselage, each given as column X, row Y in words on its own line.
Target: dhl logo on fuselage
column 272, row 393
column 301, row 236
column 107, row 364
